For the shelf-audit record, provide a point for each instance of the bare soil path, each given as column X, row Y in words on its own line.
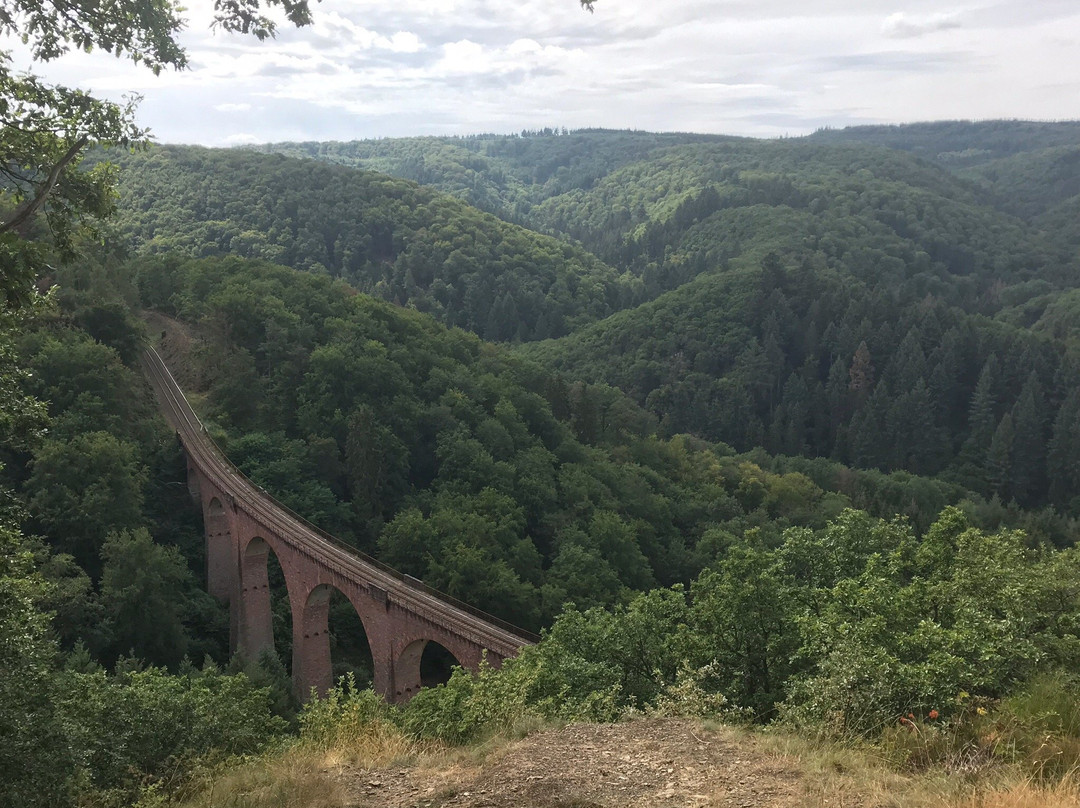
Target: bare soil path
column 639, row 764
column 175, row 341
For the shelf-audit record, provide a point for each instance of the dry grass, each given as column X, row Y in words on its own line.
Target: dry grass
column 287, row 780
column 1023, row 794
column 837, row 776
column 365, row 745
column 841, row 777
column 308, row 774
column 312, row 771
column 304, row 774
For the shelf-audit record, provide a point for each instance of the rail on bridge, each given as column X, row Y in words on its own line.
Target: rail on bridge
column 244, row 524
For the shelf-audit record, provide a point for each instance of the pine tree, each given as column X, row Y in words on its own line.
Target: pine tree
column 869, row 438
column 820, row 420
column 1029, row 444
column 861, row 374
column 502, row 321
column 776, row 367
column 1063, row 460
column 909, row 363
column 753, row 372
column 557, row 394
column 789, row 421
column 838, row 397
column 916, row 440
column 999, row 458
column 946, row 383
column 542, row 329
column 982, row 422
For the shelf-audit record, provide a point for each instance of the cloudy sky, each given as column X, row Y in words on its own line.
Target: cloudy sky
column 749, row 67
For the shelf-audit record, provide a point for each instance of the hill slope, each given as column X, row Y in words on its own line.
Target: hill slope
column 755, row 282
column 630, row 198
column 499, row 174
column 386, row 236
column 960, row 143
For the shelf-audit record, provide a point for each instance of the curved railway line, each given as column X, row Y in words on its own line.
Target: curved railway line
column 306, row 544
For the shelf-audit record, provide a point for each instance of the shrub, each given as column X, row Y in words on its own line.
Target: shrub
column 341, row 715
column 140, row 729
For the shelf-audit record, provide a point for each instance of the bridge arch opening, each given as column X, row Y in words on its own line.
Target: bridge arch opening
column 350, row 651
column 334, row 643
column 423, row 663
column 436, row 664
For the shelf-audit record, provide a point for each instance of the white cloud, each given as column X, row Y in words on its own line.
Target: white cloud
column 757, row 67
column 463, row 57
column 403, row 42
column 340, row 32
column 903, row 26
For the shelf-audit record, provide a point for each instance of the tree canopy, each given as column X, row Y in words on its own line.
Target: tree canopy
column 45, row 128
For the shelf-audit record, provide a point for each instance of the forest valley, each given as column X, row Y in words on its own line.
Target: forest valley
column 778, row 433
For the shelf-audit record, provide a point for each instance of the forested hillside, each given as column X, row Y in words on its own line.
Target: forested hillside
column 961, row 143
column 808, row 362
column 1024, row 168
column 489, row 477
column 646, row 179
column 503, row 175
column 706, row 431
column 389, row 237
column 838, row 307
column 842, row 301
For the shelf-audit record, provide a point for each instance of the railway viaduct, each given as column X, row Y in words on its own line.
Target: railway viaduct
column 244, row 524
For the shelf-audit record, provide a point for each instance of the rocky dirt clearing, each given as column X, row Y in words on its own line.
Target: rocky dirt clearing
column 640, row 764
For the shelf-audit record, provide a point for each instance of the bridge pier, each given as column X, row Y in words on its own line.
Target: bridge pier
column 407, row 681
column 312, row 668
column 256, row 620
column 220, row 546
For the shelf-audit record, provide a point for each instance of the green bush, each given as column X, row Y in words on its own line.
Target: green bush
column 147, row 729
column 343, row 712
column 543, row 684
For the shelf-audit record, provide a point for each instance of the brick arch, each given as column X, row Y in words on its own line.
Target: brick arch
column 409, row 649
column 407, row 673
column 255, row 632
column 221, row 570
column 312, row 664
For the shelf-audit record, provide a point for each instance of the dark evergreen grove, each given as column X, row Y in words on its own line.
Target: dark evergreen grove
column 686, row 403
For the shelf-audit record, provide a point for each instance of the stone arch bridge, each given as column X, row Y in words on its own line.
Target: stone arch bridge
column 244, row 525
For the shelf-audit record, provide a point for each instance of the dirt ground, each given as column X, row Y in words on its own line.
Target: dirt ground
column 640, row 764
column 175, row 342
